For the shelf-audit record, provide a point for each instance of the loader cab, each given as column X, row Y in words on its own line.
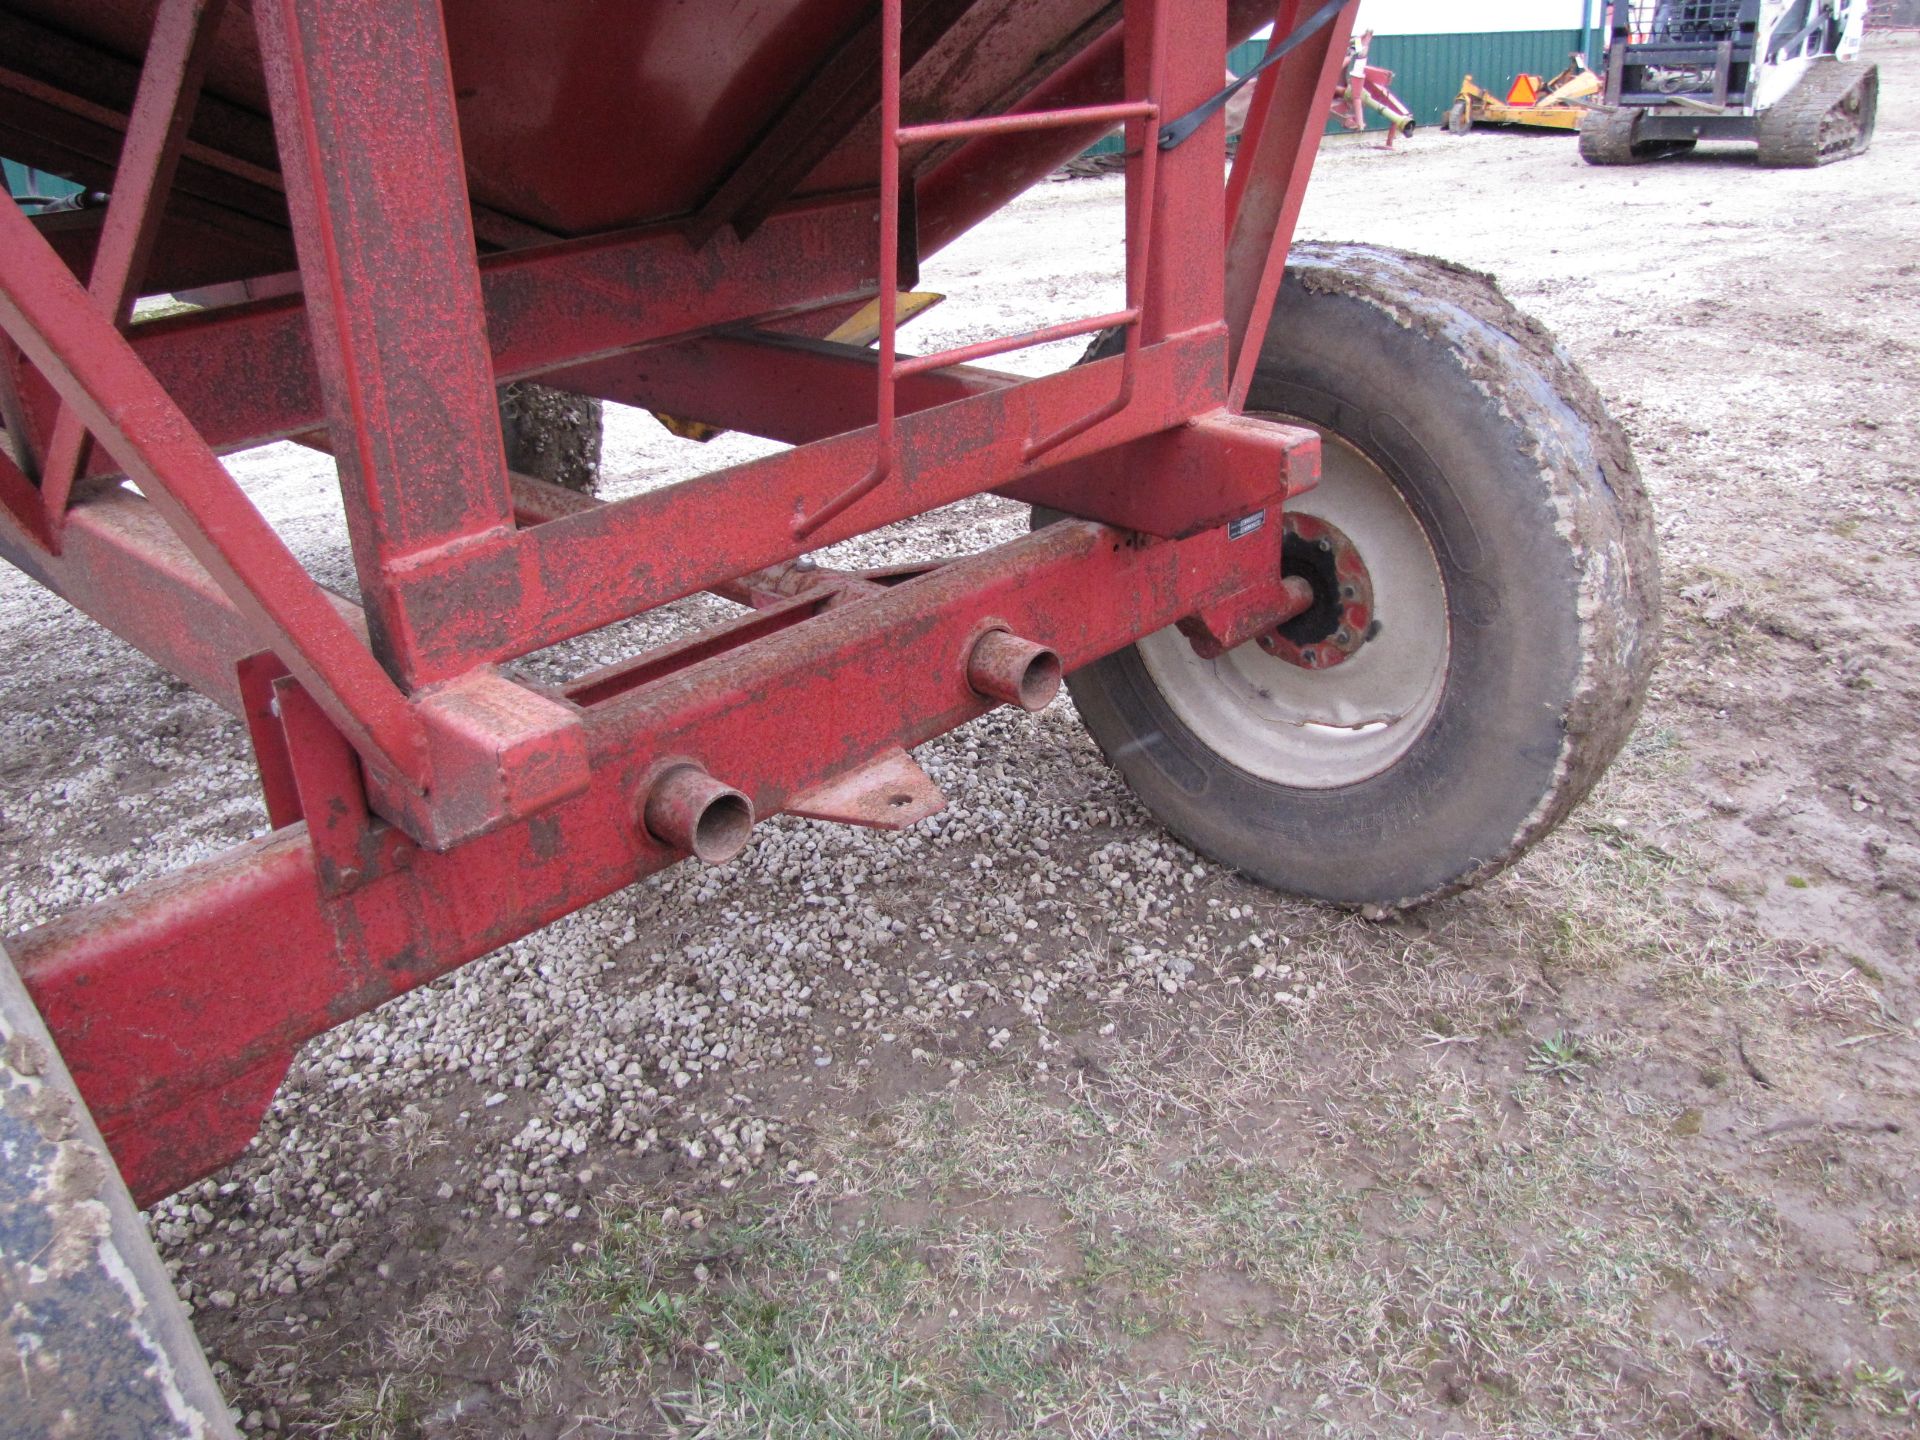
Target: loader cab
column 1781, row 73
column 1685, row 52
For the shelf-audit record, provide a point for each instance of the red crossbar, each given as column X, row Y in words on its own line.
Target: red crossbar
column 178, row 1007
column 1000, row 345
column 1142, row 117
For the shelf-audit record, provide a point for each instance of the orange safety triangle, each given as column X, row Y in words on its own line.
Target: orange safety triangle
column 1526, row 90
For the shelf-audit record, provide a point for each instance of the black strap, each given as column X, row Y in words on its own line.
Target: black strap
column 1179, row 130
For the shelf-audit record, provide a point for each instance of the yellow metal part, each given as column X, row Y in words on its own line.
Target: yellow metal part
column 1560, row 105
column 688, row 429
column 861, row 328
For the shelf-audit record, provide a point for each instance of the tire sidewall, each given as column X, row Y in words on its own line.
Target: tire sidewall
column 1413, row 393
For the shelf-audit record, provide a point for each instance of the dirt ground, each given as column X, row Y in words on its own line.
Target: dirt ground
column 1032, row 1122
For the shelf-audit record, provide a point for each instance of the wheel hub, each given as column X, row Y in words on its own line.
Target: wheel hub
column 1340, row 620
column 1341, row 691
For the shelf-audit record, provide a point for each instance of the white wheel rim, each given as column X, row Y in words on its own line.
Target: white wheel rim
column 1322, row 729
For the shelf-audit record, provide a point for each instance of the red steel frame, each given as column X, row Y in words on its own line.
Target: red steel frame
column 429, row 808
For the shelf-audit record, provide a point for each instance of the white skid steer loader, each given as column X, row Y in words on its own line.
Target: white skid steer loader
column 1785, row 74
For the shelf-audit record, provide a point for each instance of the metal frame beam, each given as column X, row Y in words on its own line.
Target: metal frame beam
column 781, row 387
column 55, row 322
column 584, row 571
column 123, row 566
column 449, row 810
column 156, row 131
column 246, row 374
column 180, row 1006
column 370, row 147
column 1269, row 180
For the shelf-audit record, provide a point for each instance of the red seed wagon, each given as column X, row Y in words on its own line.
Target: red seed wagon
column 1347, row 569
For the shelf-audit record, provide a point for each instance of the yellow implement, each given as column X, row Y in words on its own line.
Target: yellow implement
column 1555, row 104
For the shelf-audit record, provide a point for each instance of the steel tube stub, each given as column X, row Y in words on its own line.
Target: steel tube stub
column 1005, row 667
column 690, row 810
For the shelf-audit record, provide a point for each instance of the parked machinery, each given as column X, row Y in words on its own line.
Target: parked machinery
column 1782, row 73
column 1369, row 87
column 1561, row 103
column 1349, row 571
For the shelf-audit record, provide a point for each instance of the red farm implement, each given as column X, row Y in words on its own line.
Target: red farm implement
column 1347, row 570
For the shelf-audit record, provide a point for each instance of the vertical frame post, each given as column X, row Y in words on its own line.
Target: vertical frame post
column 363, row 112
column 1184, row 213
column 1269, row 180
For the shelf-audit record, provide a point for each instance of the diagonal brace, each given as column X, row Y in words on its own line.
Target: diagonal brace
column 96, row 372
column 162, row 110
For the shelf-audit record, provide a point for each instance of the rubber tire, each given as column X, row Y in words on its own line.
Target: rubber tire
column 1528, row 492
column 105, row 1347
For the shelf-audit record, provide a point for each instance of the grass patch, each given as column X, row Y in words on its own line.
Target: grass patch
column 1484, row 1252
column 804, row 1324
column 1366, row 1191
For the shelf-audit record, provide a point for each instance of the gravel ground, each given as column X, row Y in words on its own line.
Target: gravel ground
column 693, row 1039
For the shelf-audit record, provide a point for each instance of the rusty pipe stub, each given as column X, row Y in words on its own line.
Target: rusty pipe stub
column 690, row 810
column 1005, row 667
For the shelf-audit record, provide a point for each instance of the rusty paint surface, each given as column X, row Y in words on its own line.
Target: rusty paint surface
column 177, row 1064
column 889, row 792
column 430, row 809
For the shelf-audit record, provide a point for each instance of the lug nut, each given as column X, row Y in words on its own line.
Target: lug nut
column 1005, row 667
column 690, row 810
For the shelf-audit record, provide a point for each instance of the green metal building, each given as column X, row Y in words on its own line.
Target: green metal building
column 1430, row 46
column 22, row 180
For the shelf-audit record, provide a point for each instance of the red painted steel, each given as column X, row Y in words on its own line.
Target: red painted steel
column 1005, row 344
column 1013, row 671
column 123, row 566
column 1216, row 469
column 835, row 99
column 1146, row 43
column 805, row 522
column 246, row 374
column 49, row 316
column 964, row 184
column 888, row 793
column 157, row 129
column 449, row 809
column 784, row 387
column 1269, row 180
column 258, row 674
column 687, row 809
column 370, row 147
column 21, row 502
column 611, row 77
column 1026, row 120
column 170, row 1052
column 588, row 570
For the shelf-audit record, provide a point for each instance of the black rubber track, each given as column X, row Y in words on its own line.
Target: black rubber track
column 1828, row 116
column 1607, row 138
